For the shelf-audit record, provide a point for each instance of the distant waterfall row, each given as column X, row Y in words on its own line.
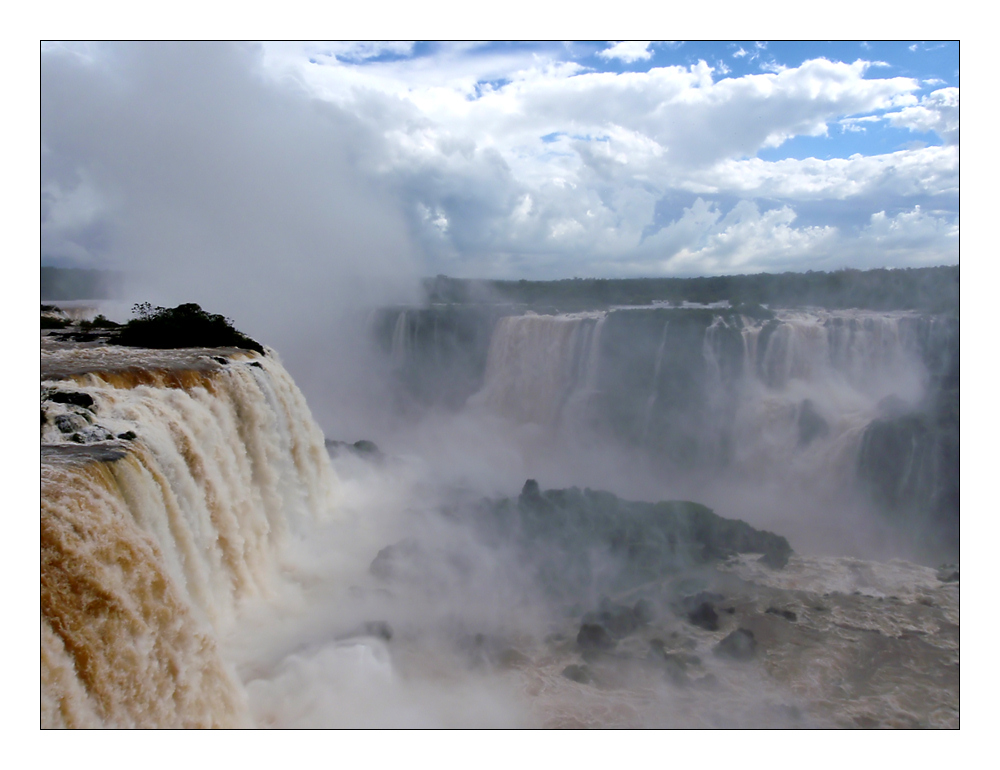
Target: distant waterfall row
column 537, row 363
column 827, row 400
column 152, row 541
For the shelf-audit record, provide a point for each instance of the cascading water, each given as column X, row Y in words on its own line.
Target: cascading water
column 785, row 400
column 846, row 363
column 537, row 363
column 401, row 340
column 154, row 540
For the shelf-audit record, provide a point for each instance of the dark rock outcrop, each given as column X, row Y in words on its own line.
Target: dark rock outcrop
column 572, row 538
column 75, row 398
column 704, row 616
column 578, row 673
column 363, row 448
column 739, row 645
column 593, row 636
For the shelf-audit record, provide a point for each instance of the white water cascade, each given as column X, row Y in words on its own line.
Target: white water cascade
column 838, row 369
column 153, row 541
column 537, row 363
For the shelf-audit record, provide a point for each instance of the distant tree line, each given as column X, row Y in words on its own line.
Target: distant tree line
column 933, row 289
column 66, row 283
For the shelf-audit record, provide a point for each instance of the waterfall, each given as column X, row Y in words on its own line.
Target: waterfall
column 401, row 341
column 536, row 363
column 762, row 397
column 657, row 365
column 820, row 374
column 865, row 350
column 153, row 541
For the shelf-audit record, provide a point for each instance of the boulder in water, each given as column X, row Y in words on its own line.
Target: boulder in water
column 948, row 573
column 704, row 616
column 69, row 423
column 578, row 673
column 76, row 398
column 594, row 636
column 739, row 645
column 363, row 448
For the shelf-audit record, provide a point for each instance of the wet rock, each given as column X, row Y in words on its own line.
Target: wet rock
column 786, row 614
column 531, row 499
column 704, row 616
column 69, row 423
column 578, row 673
column 96, row 433
column 258, row 364
column 593, row 636
column 700, row 611
column 366, row 447
column 70, row 397
column 53, row 323
column 220, row 360
column 739, row 645
column 363, row 448
column 128, row 435
column 948, row 573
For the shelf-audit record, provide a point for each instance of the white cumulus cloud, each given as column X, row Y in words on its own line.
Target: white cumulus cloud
column 628, row 51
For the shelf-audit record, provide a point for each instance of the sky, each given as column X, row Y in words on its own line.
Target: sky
column 500, row 160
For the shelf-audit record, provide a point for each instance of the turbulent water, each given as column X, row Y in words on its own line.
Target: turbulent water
column 205, row 563
column 165, row 504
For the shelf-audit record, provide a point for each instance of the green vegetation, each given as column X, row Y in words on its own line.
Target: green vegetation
column 934, row 289
column 99, row 323
column 184, row 326
column 48, row 322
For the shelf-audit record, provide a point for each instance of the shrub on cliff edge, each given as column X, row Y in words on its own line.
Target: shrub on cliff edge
column 184, row 326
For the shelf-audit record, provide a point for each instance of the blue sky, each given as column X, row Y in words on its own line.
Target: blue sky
column 539, row 160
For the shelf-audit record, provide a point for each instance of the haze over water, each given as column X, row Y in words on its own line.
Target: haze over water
column 277, row 579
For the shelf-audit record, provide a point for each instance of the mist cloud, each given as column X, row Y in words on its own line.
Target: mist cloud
column 213, row 183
